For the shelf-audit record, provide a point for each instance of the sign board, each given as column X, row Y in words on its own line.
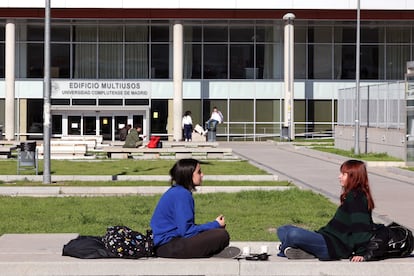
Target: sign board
column 98, row 89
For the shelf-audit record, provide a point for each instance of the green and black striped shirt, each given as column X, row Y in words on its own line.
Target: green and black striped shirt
column 350, row 229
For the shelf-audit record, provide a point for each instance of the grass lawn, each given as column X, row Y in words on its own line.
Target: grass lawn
column 130, row 167
column 250, row 216
column 351, row 154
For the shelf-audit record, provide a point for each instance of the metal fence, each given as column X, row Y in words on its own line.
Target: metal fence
column 381, row 106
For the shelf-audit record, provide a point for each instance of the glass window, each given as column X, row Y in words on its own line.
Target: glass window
column 242, row 62
column 320, row 34
column 110, row 33
column 35, row 33
column 84, row 61
column 372, row 62
column 192, row 33
column 83, row 102
column 110, row 102
column 85, row 33
column 269, row 61
column 344, row 59
column 268, row 110
column 136, row 33
column 160, row 61
column 110, row 61
column 372, row 33
column 241, row 110
column 56, row 124
column 60, row 33
column 300, row 34
column 344, row 34
column 35, row 60
column 136, row 61
column 60, row 61
column 269, row 33
column 300, row 61
column 2, row 60
column 215, row 34
column 192, row 61
column 242, row 34
column 320, row 61
column 160, row 33
column 397, row 56
column 398, row 34
column 215, row 61
column 195, row 107
column 2, row 33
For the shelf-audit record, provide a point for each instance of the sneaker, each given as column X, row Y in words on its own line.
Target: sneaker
column 296, row 253
column 229, row 252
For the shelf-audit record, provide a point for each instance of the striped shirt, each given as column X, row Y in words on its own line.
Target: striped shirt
column 350, row 229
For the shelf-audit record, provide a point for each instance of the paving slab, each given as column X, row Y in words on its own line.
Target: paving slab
column 41, row 254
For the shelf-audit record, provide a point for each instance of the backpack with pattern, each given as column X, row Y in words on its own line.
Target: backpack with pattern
column 127, row 243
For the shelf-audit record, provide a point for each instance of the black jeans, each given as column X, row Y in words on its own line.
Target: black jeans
column 203, row 245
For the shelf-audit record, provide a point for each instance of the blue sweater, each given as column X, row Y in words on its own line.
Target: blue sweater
column 174, row 216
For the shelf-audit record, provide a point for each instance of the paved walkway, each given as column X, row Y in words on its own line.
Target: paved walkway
column 392, row 188
column 40, row 254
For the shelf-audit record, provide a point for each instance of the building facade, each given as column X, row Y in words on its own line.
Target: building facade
column 112, row 63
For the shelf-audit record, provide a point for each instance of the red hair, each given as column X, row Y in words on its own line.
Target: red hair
column 357, row 179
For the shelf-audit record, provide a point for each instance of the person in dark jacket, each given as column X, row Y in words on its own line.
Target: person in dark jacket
column 347, row 233
column 123, row 132
column 176, row 235
column 134, row 139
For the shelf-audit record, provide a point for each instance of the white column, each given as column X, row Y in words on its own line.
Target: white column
column 9, row 80
column 289, row 121
column 177, row 79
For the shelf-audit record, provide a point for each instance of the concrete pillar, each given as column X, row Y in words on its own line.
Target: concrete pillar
column 9, row 80
column 289, row 121
column 178, row 79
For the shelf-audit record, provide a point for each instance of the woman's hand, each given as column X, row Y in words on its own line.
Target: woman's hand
column 221, row 221
column 357, row 259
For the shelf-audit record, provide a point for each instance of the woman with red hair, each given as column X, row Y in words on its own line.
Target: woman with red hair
column 347, row 233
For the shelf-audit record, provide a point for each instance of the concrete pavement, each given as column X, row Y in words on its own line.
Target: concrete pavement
column 40, row 254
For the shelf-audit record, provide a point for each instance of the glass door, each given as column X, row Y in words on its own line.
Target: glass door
column 120, row 122
column 105, row 127
column 89, row 125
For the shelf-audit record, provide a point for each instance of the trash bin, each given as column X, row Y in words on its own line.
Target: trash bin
column 27, row 157
column 211, row 135
column 285, row 133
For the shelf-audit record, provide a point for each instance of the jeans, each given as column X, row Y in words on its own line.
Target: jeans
column 309, row 241
column 211, row 124
column 188, row 129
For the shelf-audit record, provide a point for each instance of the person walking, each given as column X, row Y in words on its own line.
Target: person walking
column 347, row 233
column 187, row 126
column 176, row 235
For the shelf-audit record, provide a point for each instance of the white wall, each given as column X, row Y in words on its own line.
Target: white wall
column 215, row 4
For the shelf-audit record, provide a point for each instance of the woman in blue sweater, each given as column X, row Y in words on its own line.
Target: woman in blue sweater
column 175, row 233
column 347, row 233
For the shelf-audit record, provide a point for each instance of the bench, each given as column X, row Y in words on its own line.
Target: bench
column 6, row 151
column 169, row 144
column 63, row 151
column 90, row 144
column 168, row 153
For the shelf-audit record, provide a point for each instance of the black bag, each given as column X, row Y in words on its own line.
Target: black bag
column 127, row 243
column 87, row 247
column 391, row 241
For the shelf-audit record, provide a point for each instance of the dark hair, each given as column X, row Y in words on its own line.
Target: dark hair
column 357, row 179
column 187, row 113
column 182, row 173
column 137, row 126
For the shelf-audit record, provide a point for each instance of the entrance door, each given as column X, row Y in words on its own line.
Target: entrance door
column 105, row 127
column 120, row 122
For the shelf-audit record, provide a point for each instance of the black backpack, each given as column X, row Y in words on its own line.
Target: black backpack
column 87, row 247
column 391, row 241
column 124, row 242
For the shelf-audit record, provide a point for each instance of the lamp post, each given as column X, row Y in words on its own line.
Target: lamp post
column 289, row 75
column 357, row 70
column 46, row 98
